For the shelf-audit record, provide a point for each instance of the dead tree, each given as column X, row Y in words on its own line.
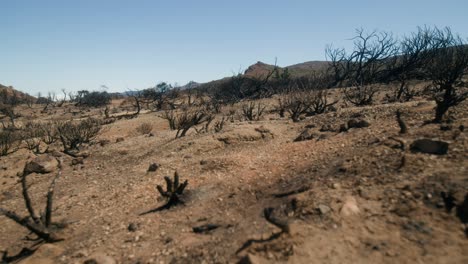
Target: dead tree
column 362, row 69
column 41, row 225
column 446, row 71
column 172, row 193
column 414, row 52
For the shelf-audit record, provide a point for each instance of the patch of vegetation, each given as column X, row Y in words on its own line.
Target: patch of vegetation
column 74, row 134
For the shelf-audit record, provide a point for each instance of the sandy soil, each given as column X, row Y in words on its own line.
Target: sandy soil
column 233, row 175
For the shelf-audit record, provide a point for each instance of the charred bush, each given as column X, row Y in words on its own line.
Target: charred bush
column 74, row 134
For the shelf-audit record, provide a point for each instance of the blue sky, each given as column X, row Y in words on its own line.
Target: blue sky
column 83, row 44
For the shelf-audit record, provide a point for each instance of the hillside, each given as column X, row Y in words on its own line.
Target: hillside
column 355, row 196
column 297, row 70
column 8, row 93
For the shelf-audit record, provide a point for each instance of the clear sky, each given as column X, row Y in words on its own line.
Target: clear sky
column 82, row 44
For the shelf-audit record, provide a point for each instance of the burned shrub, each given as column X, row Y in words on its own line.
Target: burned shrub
column 295, row 104
column 8, row 141
column 40, row 225
column 144, row 128
column 252, row 111
column 49, row 132
column 74, row 134
column 32, row 135
column 186, row 118
column 174, row 189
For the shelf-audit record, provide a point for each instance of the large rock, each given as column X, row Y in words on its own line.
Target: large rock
column 41, row 164
column 429, row 146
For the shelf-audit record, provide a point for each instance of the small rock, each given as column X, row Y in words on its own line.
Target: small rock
column 104, row 142
column 100, row 258
column 41, row 164
column 205, row 228
column 326, row 128
column 429, row 146
column 323, row 209
column 358, row 123
column 336, row 186
column 252, row 259
column 153, row 167
column 150, row 135
column 119, row 139
column 77, row 161
column 262, row 130
column 343, row 128
column 445, row 127
column 350, row 207
column 132, row 227
column 305, row 135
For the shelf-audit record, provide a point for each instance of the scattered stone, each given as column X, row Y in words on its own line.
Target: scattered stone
column 132, row 227
column 305, row 135
column 350, row 207
column 445, row 127
column 104, row 142
column 343, row 128
column 119, row 139
column 77, row 161
column 153, row 167
column 358, row 123
column 252, row 259
column 203, row 162
column 417, row 226
column 205, row 228
column 326, row 128
column 45, row 255
column 323, row 209
column 100, row 258
column 262, row 130
column 150, row 135
column 83, row 154
column 41, row 164
column 429, row 146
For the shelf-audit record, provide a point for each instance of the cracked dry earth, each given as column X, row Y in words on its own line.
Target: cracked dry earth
column 349, row 197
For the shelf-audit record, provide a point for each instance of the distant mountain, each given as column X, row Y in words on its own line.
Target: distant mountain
column 189, row 85
column 297, row 70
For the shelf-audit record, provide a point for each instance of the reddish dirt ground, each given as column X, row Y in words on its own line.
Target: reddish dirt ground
column 397, row 214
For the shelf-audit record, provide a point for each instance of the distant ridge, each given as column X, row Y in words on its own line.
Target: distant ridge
column 8, row 93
